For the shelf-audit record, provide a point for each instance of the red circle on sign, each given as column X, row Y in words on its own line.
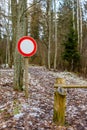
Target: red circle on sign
column 27, row 46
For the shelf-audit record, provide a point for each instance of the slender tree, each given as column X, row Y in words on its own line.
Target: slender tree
column 78, row 24
column 73, row 6
column 49, row 43
column 55, row 56
column 81, row 29
column 8, row 36
column 14, row 13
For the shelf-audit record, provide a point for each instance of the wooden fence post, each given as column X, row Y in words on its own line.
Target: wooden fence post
column 26, row 77
column 59, row 103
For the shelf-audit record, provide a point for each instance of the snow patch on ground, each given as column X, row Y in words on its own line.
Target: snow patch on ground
column 17, row 116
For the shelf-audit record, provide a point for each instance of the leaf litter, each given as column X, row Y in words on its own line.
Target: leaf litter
column 36, row 112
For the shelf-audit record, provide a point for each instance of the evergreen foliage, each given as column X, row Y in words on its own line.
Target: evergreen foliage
column 71, row 55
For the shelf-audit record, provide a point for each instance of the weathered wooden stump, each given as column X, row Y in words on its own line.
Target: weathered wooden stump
column 59, row 103
column 60, row 100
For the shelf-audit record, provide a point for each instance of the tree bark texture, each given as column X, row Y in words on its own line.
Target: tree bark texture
column 81, row 30
column 78, row 24
column 14, row 11
column 55, row 56
column 19, row 60
column 73, row 14
column 59, row 103
column 49, row 44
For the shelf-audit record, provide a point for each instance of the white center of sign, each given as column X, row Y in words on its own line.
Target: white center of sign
column 27, row 46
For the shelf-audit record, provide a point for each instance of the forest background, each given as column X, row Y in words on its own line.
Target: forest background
column 58, row 26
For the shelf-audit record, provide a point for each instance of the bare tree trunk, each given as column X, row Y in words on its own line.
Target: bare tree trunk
column 6, row 60
column 8, row 37
column 49, row 49
column 21, row 31
column 81, row 32
column 8, row 50
column 55, row 56
column 78, row 24
column 7, row 24
column 14, row 27
column 73, row 14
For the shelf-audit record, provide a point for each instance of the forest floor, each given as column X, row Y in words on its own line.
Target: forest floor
column 36, row 112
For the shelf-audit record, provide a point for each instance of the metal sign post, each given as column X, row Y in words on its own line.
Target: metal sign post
column 27, row 47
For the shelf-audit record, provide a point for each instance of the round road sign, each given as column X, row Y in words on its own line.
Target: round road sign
column 27, row 46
